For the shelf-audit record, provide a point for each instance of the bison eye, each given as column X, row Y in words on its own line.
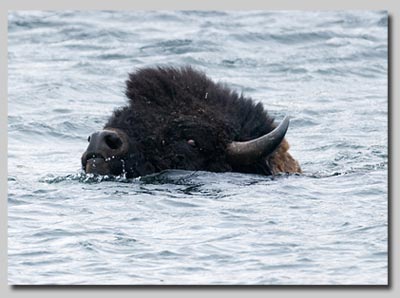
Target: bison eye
column 88, row 138
column 191, row 143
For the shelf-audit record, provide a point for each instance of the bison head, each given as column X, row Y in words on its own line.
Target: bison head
column 180, row 119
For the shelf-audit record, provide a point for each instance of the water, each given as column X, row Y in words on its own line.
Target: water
column 327, row 70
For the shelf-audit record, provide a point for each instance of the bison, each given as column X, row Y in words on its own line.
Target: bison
column 178, row 118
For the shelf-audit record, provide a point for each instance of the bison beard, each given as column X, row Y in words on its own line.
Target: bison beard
column 177, row 118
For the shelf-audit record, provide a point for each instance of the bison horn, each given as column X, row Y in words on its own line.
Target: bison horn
column 245, row 153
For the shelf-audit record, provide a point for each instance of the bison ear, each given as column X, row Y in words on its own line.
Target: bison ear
column 246, row 153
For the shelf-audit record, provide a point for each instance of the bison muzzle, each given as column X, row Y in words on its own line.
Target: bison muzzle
column 177, row 118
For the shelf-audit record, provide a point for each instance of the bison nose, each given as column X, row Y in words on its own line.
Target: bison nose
column 108, row 140
column 105, row 147
column 106, row 143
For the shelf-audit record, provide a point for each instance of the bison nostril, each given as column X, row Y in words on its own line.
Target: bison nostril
column 113, row 141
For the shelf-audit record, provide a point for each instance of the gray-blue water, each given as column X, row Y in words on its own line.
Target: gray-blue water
column 327, row 70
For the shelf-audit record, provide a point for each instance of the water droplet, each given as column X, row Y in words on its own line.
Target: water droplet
column 123, row 166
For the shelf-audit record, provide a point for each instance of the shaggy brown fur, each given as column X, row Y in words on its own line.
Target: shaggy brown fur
column 282, row 162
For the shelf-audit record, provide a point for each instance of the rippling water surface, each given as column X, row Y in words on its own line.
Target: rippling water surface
column 327, row 70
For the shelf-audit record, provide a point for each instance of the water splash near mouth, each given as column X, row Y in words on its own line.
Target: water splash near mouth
column 83, row 177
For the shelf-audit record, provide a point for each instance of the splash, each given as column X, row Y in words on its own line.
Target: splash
column 83, row 177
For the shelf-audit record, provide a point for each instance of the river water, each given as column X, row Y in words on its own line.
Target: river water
column 327, row 70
